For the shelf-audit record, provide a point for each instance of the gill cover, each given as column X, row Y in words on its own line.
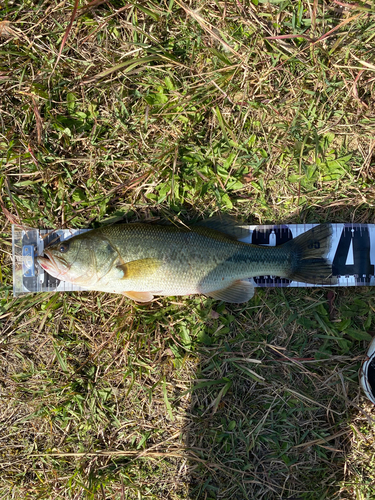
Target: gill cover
column 79, row 260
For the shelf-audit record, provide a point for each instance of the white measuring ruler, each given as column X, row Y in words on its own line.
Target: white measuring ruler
column 352, row 255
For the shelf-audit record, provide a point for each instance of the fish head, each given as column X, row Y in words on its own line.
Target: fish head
column 72, row 260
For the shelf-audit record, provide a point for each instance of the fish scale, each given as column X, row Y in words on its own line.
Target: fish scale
column 143, row 260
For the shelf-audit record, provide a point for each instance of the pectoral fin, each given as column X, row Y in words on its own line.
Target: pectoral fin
column 236, row 293
column 139, row 296
column 138, row 268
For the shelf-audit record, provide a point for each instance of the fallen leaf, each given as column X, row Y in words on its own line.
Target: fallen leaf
column 214, row 314
column 248, row 178
column 5, row 29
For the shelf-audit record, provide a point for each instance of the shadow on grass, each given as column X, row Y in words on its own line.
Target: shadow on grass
column 276, row 393
column 273, row 402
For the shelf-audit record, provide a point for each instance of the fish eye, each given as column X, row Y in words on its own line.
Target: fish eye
column 63, row 247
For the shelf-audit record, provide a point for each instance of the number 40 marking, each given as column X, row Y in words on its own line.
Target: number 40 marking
column 361, row 268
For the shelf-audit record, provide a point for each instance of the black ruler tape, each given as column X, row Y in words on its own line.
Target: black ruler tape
column 352, row 252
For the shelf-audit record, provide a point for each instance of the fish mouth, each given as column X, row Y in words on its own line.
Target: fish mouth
column 49, row 264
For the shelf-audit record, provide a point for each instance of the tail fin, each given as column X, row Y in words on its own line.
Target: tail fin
column 308, row 252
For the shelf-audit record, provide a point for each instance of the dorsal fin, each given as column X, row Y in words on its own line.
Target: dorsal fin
column 225, row 224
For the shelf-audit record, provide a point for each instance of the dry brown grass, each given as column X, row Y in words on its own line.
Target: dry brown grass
column 176, row 111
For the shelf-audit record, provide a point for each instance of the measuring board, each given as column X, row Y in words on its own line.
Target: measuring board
column 352, row 255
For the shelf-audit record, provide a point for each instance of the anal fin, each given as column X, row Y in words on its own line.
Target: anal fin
column 238, row 292
column 139, row 296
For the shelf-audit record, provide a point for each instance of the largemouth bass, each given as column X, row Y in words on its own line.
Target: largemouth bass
column 142, row 260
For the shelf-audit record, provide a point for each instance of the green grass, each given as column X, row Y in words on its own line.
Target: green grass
column 177, row 111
